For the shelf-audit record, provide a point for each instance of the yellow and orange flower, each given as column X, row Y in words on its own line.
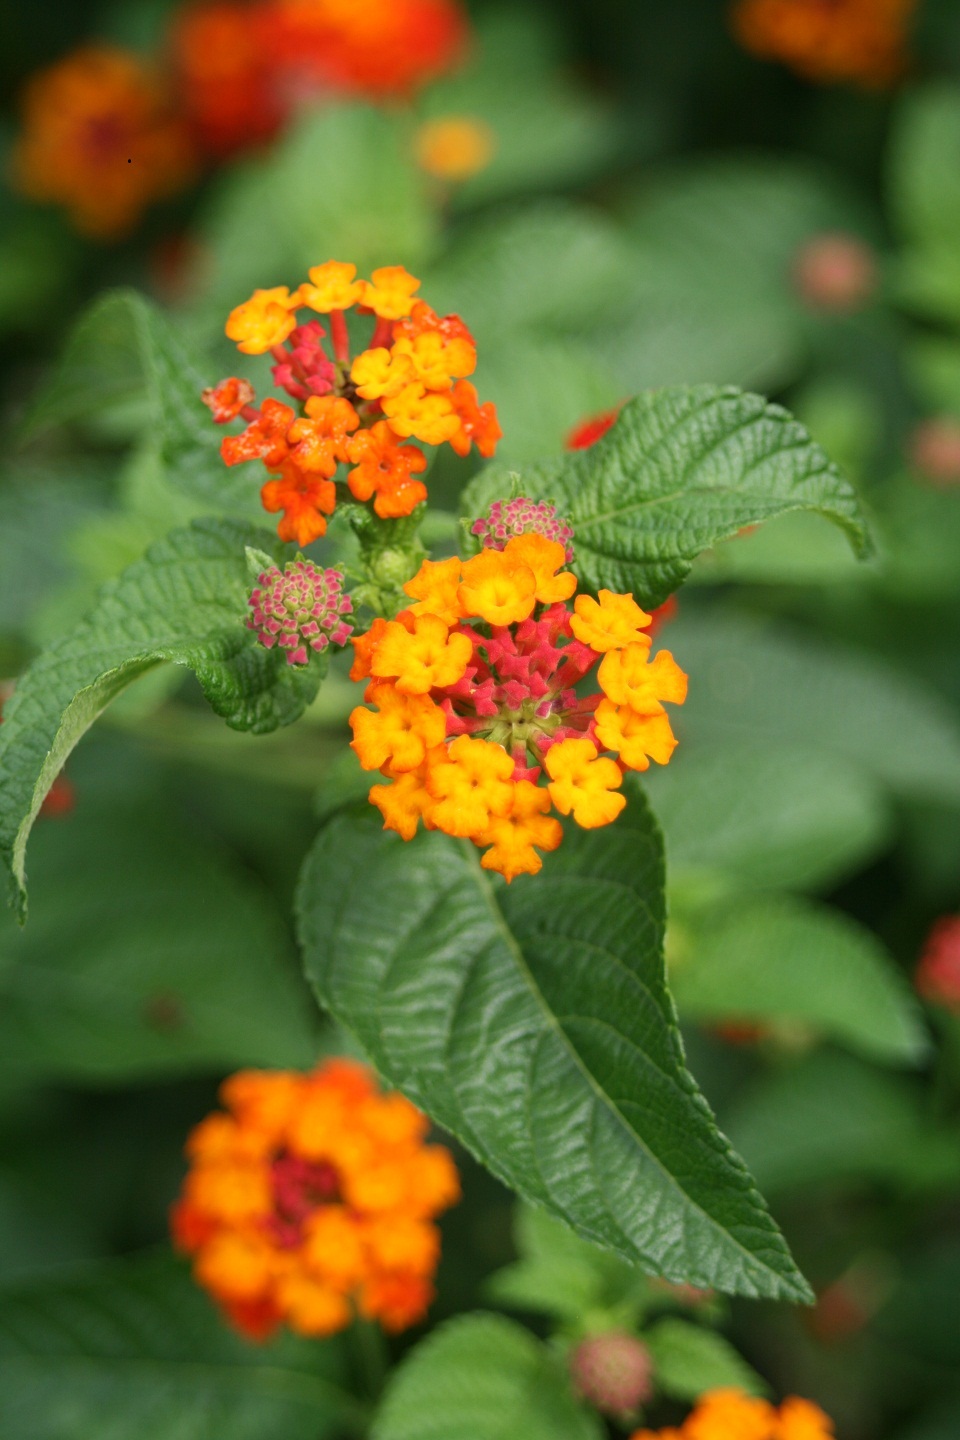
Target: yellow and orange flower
column 408, row 384
column 732, row 1415
column 476, row 690
column 312, row 1199
column 100, row 137
column 863, row 42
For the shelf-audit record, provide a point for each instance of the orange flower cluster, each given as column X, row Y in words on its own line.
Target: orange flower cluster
column 243, row 65
column 100, row 137
column 858, row 41
column 409, row 384
column 732, row 1415
column 313, row 1198
column 474, row 691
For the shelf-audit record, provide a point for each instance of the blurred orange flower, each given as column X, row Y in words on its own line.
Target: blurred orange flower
column 226, row 86
column 858, row 41
column 312, row 1199
column 100, row 138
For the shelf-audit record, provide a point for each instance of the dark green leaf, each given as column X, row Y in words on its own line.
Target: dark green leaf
column 783, row 959
column 830, row 1117
column 481, row 1377
column 689, row 1360
column 134, row 1348
column 185, row 601
column 534, row 1023
column 681, row 469
column 148, row 953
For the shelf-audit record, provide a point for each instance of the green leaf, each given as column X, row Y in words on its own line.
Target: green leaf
column 924, row 179
column 767, row 814
column 185, row 601
column 561, row 1275
column 125, row 350
column 710, row 296
column 134, row 1348
column 689, row 1360
column 533, row 1022
column 191, row 972
column 342, row 182
column 547, row 131
column 680, row 469
column 481, row 1377
column 831, row 1118
column 784, row 959
column 754, row 682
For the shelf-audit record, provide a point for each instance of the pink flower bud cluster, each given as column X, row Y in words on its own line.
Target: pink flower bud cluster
column 300, row 608
column 507, row 518
column 614, row 1372
column 303, row 366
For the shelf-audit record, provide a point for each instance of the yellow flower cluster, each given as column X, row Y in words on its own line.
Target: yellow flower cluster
column 473, row 693
column 313, row 1197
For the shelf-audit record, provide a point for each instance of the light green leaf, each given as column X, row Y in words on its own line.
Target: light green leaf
column 785, row 959
column 134, row 1348
column 680, row 469
column 559, row 1274
column 341, row 184
column 190, row 971
column 831, row 1118
column 688, row 1360
column 766, row 814
column 185, row 601
column 481, row 1377
column 534, row 1023
column 122, row 350
column 756, row 683
column 924, row 178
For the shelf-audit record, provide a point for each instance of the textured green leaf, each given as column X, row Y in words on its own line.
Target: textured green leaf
column 681, row 469
column 191, row 972
column 830, row 1117
column 134, row 1348
column 689, row 1360
column 534, row 1023
column 756, row 683
column 185, row 602
column 784, row 959
column 124, row 349
column 481, row 1377
column 767, row 814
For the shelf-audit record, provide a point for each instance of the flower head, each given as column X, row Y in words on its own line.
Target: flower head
column 350, row 411
column 732, row 1415
column 831, row 41
column 311, row 1199
column 300, row 608
column 454, row 147
column 100, row 136
column 507, row 518
column 938, row 974
column 477, row 690
column 226, row 84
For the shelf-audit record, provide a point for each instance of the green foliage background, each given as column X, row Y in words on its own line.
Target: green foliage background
column 635, row 236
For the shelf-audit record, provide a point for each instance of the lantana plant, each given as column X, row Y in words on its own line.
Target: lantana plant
column 490, row 929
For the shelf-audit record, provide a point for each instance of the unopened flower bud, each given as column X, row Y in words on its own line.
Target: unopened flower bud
column 614, row 1372
column 507, row 518
column 300, row 608
column 935, row 451
column 836, row 273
